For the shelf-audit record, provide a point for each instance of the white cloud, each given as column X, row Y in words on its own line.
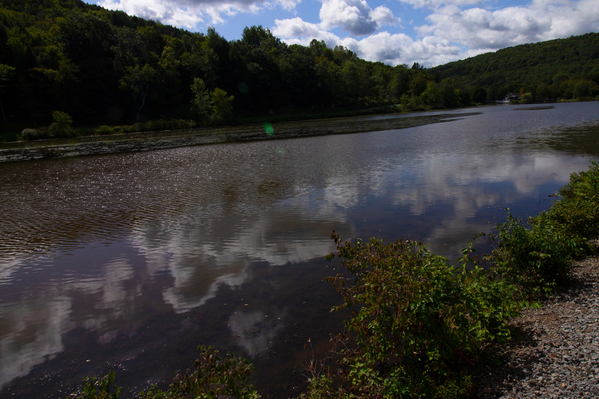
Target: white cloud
column 402, row 49
column 168, row 13
column 354, row 16
column 288, row 4
column 391, row 49
column 188, row 13
column 439, row 3
column 481, row 29
column 454, row 31
column 383, row 15
column 298, row 31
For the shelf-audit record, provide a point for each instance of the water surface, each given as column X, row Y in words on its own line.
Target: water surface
column 128, row 262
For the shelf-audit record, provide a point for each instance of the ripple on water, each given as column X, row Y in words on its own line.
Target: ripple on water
column 180, row 226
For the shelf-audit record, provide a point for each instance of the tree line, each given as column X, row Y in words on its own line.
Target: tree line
column 551, row 70
column 106, row 68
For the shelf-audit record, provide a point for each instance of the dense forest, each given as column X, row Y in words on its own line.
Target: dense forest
column 561, row 68
column 68, row 62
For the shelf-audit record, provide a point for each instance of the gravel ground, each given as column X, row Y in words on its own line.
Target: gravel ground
column 557, row 353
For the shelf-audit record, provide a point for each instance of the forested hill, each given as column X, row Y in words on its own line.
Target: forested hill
column 100, row 67
column 562, row 68
column 105, row 67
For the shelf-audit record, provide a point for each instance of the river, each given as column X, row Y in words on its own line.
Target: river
column 128, row 262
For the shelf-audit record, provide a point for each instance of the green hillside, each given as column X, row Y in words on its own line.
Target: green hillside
column 562, row 68
column 102, row 67
column 66, row 66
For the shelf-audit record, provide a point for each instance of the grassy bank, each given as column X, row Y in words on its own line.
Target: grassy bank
column 420, row 327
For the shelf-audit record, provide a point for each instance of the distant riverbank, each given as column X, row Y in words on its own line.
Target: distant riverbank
column 147, row 141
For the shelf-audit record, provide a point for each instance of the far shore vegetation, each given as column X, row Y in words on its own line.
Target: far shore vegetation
column 420, row 327
column 71, row 69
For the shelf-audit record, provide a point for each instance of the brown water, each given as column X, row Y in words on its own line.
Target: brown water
column 128, row 262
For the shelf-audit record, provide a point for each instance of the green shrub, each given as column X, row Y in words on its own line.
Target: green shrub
column 222, row 106
column 419, row 323
column 61, row 127
column 35, row 134
column 104, row 130
column 578, row 208
column 158, row 125
column 526, row 98
column 182, row 124
column 536, row 257
column 139, row 127
column 128, row 129
column 100, row 388
column 201, row 104
column 214, row 377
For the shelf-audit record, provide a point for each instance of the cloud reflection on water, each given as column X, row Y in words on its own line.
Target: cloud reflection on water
column 31, row 332
column 196, row 232
column 255, row 331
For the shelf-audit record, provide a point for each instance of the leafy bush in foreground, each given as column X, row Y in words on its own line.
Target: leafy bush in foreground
column 578, row 208
column 418, row 322
column 214, row 377
column 537, row 256
column 418, row 325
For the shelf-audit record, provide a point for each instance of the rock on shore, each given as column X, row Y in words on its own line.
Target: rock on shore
column 557, row 355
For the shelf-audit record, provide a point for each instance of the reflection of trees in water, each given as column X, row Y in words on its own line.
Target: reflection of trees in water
column 578, row 140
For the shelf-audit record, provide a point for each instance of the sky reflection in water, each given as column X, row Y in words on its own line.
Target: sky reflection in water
column 130, row 261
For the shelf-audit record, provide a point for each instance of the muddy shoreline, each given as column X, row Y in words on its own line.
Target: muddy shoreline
column 135, row 142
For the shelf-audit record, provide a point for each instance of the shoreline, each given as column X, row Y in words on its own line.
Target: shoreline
column 149, row 141
column 555, row 351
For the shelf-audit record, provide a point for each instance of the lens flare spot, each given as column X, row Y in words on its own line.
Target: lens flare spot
column 243, row 88
column 269, row 129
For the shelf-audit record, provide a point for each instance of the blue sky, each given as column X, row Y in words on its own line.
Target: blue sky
column 430, row 32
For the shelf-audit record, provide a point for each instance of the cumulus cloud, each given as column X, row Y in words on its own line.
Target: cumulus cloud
column 188, row 13
column 481, row 29
column 354, row 16
column 455, row 29
column 168, row 13
column 391, row 49
column 402, row 49
column 440, row 3
column 298, row 31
